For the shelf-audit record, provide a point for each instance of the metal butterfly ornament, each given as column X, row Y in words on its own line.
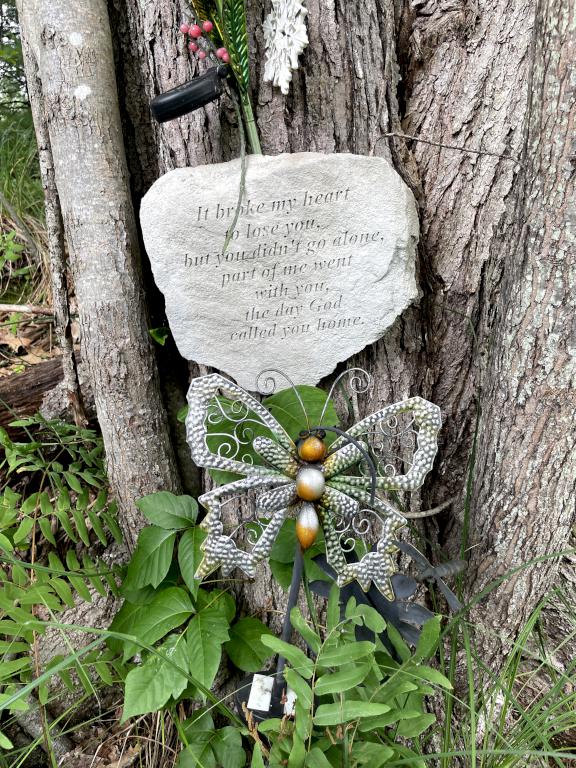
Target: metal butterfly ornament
column 337, row 487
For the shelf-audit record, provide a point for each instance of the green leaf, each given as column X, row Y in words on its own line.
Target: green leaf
column 227, row 748
column 294, row 655
column 370, row 753
column 159, row 335
column 297, row 754
column 244, row 648
column 398, row 643
column 300, row 687
column 344, row 654
column 198, row 752
column 168, row 511
column 151, row 685
column 152, row 558
column 205, row 649
column 5, row 544
column 348, row 677
column 150, row 622
column 257, row 758
column 5, row 743
column 342, row 712
column 317, row 759
column 286, row 409
column 73, row 482
column 189, row 556
column 23, row 530
column 415, row 726
column 333, row 608
column 428, row 640
column 373, row 723
column 431, row 675
column 368, row 615
column 301, row 625
column 217, row 600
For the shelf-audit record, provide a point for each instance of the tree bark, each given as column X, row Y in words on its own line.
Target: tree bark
column 483, row 88
column 491, row 332
column 69, row 54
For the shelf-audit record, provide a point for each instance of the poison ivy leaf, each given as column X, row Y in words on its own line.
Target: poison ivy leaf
column 342, row 712
column 189, row 557
column 151, row 685
column 168, row 511
column 227, row 748
column 245, row 649
column 170, row 608
column 198, row 753
column 152, row 559
column 205, row 634
column 217, row 600
column 348, row 677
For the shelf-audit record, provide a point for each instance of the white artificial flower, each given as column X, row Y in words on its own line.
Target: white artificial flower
column 285, row 38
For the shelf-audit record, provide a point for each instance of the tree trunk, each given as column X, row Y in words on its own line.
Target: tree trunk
column 483, row 90
column 70, row 63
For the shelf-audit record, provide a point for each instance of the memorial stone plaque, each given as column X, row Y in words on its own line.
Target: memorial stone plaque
column 320, row 262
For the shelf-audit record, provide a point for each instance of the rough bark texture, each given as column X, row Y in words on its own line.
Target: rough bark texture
column 69, row 57
column 494, row 328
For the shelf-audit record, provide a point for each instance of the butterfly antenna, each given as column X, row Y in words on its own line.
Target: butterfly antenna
column 359, row 383
column 266, row 385
column 363, row 451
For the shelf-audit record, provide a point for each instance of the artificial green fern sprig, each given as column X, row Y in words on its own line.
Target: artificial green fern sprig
column 230, row 29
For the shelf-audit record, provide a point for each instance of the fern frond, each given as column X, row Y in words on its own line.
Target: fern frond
column 236, row 40
column 207, row 10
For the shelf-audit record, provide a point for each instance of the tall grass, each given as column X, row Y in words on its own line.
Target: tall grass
column 20, row 180
column 21, row 213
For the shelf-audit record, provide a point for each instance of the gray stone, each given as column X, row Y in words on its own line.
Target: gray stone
column 321, row 261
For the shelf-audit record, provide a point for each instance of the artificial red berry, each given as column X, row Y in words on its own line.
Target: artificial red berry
column 226, row 58
column 207, row 26
column 195, row 31
column 184, row 28
column 193, row 47
column 201, row 55
column 221, row 52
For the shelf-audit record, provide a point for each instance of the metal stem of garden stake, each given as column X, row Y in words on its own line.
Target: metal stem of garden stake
column 292, row 600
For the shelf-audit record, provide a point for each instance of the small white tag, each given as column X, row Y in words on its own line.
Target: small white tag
column 261, row 692
column 290, row 702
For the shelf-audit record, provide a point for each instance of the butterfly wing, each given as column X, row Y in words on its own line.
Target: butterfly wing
column 423, row 424
column 223, row 421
